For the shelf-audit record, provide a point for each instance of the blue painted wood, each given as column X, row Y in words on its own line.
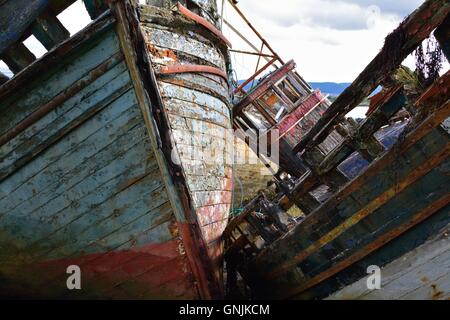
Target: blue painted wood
column 95, row 7
column 57, row 118
column 72, row 68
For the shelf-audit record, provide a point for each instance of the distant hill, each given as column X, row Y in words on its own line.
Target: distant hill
column 331, row 88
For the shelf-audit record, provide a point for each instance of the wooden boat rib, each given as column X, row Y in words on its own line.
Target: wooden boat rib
column 388, row 214
column 87, row 173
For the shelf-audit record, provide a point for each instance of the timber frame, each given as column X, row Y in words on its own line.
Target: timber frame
column 274, row 263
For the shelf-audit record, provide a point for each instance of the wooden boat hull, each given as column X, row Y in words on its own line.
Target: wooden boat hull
column 396, row 204
column 85, row 180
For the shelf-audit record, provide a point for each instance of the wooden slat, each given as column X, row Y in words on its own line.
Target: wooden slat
column 3, row 78
column 15, row 17
column 442, row 34
column 55, row 56
column 17, row 57
column 398, row 46
column 49, row 85
column 49, row 30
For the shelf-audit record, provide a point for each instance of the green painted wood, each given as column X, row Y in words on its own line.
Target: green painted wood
column 25, row 101
column 331, row 213
column 49, row 30
column 50, row 136
column 63, row 160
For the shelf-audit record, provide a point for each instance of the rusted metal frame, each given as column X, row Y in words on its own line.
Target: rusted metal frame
column 150, row 101
column 263, row 55
column 192, row 68
column 398, row 46
column 202, row 21
column 246, row 82
column 254, row 30
column 271, row 79
column 433, row 120
column 60, row 98
column 55, row 55
column 17, row 57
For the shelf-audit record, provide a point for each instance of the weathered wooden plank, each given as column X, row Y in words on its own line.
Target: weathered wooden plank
column 206, row 198
column 3, row 78
column 99, row 220
column 117, row 171
column 25, row 12
column 398, row 46
column 114, row 232
column 416, row 262
column 174, row 21
column 189, row 110
column 209, row 183
column 49, row 30
column 95, row 7
column 442, row 34
column 193, row 96
column 379, row 185
column 185, row 44
column 15, row 87
column 200, row 82
column 398, row 211
column 44, row 91
column 27, row 155
column 17, row 57
column 66, row 156
column 57, row 116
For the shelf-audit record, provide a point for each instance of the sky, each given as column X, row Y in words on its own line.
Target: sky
column 330, row 40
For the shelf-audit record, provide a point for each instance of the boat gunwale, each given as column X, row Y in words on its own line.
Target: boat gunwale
column 34, row 70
